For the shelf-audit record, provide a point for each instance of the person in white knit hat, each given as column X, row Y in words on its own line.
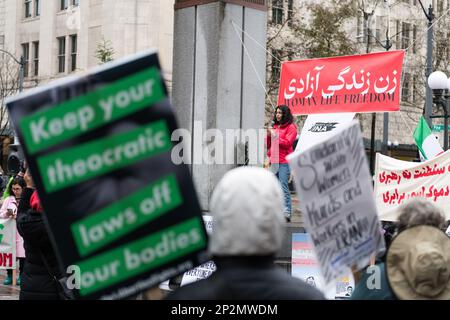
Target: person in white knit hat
column 247, row 209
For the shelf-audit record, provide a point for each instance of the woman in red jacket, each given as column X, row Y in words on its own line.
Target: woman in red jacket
column 280, row 140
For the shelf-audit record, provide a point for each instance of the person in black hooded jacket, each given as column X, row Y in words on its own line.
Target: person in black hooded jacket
column 37, row 281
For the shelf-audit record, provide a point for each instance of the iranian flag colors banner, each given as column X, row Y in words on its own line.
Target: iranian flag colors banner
column 426, row 141
column 360, row 83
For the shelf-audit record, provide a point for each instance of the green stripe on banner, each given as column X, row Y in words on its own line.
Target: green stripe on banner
column 124, row 216
column 62, row 169
column 421, row 132
column 70, row 119
column 140, row 256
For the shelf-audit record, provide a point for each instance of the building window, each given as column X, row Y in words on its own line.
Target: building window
column 26, row 58
column 37, row 8
column 73, row 54
column 62, row 54
column 397, row 34
column 36, row 58
column 276, row 64
column 440, row 6
column 447, row 53
column 405, row 35
column 361, row 32
column 405, row 88
column 27, row 8
column 277, row 11
column 76, row 3
column 414, row 37
column 415, row 85
column 379, row 23
column 290, row 12
column 64, row 4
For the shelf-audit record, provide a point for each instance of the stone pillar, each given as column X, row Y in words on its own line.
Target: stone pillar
column 219, row 71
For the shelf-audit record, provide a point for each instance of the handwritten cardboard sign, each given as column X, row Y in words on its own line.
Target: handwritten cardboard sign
column 336, row 199
column 396, row 181
column 360, row 83
column 7, row 244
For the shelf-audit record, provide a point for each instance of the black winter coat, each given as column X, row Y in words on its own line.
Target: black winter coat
column 247, row 278
column 36, row 282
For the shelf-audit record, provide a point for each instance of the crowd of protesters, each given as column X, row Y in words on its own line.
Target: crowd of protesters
column 247, row 234
column 38, row 267
column 248, row 207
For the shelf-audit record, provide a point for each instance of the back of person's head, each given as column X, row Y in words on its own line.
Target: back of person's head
column 247, row 207
column 418, row 260
column 418, row 264
column 419, row 211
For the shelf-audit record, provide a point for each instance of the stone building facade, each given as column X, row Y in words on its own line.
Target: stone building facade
column 60, row 37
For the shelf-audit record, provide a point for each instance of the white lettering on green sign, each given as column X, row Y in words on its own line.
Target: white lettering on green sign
column 80, row 163
column 102, row 227
column 140, row 256
column 49, row 127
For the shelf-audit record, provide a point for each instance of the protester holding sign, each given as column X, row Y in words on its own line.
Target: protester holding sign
column 9, row 210
column 280, row 141
column 248, row 230
column 418, row 264
column 116, row 204
column 37, row 282
column 336, row 197
column 372, row 283
column 417, row 212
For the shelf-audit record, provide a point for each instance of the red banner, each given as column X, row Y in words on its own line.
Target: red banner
column 361, row 83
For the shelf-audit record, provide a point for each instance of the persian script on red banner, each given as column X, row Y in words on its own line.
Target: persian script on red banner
column 361, row 83
column 397, row 181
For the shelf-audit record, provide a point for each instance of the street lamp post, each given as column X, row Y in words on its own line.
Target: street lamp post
column 387, row 46
column 367, row 16
column 428, row 94
column 440, row 84
column 21, row 73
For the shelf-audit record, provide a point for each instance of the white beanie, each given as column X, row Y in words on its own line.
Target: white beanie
column 247, row 210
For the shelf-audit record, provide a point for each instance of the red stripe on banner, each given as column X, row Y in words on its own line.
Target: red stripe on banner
column 361, row 83
column 301, row 246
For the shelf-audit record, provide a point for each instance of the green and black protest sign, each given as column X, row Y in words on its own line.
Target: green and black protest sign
column 99, row 150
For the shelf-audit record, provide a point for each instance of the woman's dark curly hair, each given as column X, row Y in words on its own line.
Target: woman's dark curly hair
column 287, row 115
